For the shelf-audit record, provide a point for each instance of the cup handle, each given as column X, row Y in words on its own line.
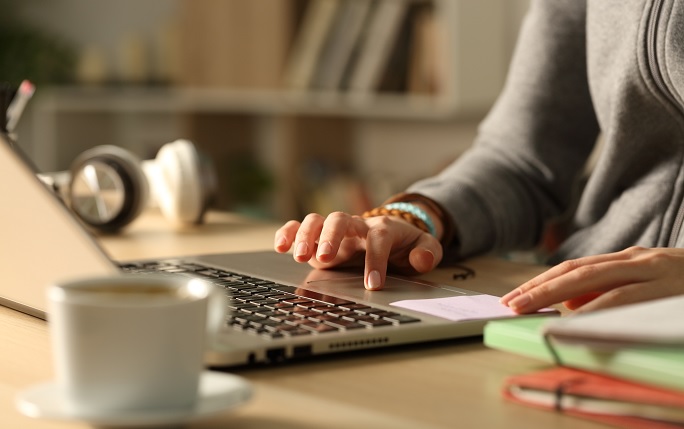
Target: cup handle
column 217, row 312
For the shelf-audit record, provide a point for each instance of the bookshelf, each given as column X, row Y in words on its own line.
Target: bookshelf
column 237, row 88
column 349, row 56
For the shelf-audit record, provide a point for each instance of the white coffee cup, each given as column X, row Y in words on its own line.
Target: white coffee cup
column 132, row 342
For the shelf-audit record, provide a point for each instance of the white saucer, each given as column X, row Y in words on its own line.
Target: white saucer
column 218, row 392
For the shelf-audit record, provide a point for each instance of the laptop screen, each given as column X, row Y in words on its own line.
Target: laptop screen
column 41, row 242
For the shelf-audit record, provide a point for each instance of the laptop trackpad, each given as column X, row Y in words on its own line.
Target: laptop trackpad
column 396, row 288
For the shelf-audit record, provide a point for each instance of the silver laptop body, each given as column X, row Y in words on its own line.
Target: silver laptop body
column 41, row 242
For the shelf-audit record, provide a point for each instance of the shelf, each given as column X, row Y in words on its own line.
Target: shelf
column 255, row 102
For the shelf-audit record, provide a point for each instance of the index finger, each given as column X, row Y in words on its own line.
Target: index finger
column 584, row 279
column 336, row 227
column 284, row 236
column 378, row 247
column 562, row 269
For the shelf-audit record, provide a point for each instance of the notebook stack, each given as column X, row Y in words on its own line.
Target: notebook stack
column 622, row 366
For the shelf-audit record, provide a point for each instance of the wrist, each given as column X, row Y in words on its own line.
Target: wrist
column 409, row 212
column 444, row 226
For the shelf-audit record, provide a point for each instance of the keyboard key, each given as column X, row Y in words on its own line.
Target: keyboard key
column 283, row 297
column 354, row 307
column 191, row 267
column 324, row 317
column 271, row 294
column 298, row 332
column 300, row 301
column 260, row 282
column 282, row 306
column 242, row 297
column 401, row 318
column 319, row 328
column 236, row 306
column 249, row 310
column 341, row 323
column 262, row 323
column 373, row 322
column 269, row 313
column 338, row 312
column 208, row 273
column 382, row 313
column 262, row 302
column 244, row 319
column 173, row 270
column 291, row 319
column 233, row 285
column 287, row 329
column 285, row 288
column 368, row 310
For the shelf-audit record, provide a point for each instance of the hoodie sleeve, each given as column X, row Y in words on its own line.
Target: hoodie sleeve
column 532, row 146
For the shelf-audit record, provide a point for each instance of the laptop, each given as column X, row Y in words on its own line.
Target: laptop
column 280, row 310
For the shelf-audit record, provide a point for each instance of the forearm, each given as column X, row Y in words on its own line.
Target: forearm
column 524, row 164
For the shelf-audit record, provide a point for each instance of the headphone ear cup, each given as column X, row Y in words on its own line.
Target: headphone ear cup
column 108, row 188
column 177, row 182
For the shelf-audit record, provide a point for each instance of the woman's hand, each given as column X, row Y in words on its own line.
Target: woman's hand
column 377, row 243
column 602, row 281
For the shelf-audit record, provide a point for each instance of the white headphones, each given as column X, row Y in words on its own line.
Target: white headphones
column 107, row 187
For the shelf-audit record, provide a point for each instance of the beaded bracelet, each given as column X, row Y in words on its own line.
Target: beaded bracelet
column 407, row 211
column 449, row 233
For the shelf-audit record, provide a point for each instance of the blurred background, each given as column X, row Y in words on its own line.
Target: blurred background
column 302, row 105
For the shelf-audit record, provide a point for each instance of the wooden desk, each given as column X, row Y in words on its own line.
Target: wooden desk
column 446, row 385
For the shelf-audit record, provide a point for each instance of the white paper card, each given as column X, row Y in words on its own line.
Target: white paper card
column 458, row 308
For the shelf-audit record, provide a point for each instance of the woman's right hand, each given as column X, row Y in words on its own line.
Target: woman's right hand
column 376, row 243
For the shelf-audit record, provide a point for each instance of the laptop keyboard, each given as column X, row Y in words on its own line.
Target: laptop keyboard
column 273, row 310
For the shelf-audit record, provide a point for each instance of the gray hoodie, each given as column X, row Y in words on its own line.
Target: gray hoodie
column 581, row 69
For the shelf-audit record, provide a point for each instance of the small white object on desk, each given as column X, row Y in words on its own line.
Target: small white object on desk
column 458, row 308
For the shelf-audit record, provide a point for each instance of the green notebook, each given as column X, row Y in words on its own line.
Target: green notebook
column 655, row 365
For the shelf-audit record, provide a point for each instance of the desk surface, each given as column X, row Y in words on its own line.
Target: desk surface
column 445, row 385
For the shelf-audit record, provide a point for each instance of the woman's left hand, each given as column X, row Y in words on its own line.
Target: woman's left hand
column 595, row 282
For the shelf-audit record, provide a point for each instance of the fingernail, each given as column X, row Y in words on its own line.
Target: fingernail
column 281, row 242
column 301, row 249
column 373, row 280
column 324, row 248
column 520, row 302
column 509, row 296
column 431, row 253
